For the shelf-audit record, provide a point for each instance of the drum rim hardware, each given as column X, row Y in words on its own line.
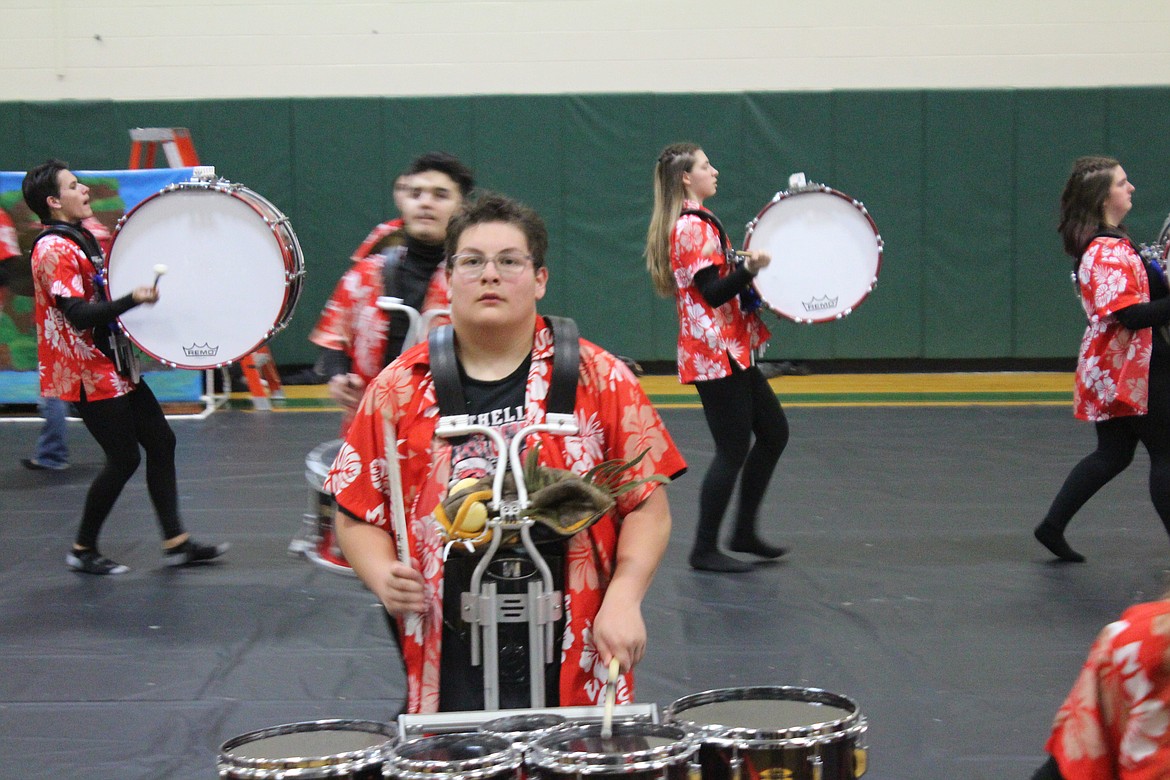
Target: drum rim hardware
column 504, row 759
column 353, row 759
column 542, row 755
column 808, row 735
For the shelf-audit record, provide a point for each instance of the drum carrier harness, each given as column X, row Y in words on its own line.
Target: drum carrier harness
column 482, row 606
column 749, row 298
column 110, row 340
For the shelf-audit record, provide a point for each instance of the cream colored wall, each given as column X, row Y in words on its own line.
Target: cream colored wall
column 137, row 49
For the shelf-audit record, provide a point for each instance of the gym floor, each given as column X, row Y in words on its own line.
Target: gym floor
column 913, row 585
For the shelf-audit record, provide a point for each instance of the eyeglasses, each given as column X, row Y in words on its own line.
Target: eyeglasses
column 471, row 266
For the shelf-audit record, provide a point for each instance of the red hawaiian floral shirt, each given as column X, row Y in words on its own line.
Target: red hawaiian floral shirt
column 1115, row 723
column 69, row 360
column 708, row 336
column 1113, row 366
column 616, row 421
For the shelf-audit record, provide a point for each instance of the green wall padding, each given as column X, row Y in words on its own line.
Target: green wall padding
column 964, row 186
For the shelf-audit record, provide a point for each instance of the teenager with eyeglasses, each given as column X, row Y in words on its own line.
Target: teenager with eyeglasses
column 505, row 353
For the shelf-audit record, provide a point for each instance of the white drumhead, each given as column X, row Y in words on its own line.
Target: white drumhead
column 826, row 253
column 225, row 286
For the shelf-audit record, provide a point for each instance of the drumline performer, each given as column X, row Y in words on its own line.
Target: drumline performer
column 357, row 337
column 689, row 257
column 503, row 358
column 85, row 359
column 1123, row 368
column 389, row 233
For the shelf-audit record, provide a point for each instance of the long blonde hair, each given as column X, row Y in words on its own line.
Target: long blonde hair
column 669, row 193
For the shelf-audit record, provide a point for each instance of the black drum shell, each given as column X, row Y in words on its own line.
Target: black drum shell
column 790, row 752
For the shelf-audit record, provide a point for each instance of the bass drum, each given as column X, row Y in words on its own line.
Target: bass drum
column 826, row 253
column 233, row 273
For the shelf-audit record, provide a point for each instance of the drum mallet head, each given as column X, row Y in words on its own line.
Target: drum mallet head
column 159, row 270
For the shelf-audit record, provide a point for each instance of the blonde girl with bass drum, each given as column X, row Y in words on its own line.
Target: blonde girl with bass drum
column 689, row 258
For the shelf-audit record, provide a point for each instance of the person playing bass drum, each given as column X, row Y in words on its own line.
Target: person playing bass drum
column 688, row 257
column 86, row 361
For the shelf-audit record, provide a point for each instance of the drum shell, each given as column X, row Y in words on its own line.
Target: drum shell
column 235, row 763
column 522, row 731
column 322, row 546
column 473, row 756
column 564, row 752
column 829, row 749
column 235, row 271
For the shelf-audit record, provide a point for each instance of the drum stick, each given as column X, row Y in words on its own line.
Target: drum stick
column 610, row 699
column 398, row 511
column 394, row 475
column 159, row 271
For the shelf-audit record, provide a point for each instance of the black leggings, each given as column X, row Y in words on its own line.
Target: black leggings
column 736, row 407
column 120, row 425
column 1117, row 440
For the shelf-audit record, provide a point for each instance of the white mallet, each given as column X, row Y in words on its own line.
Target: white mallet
column 159, row 270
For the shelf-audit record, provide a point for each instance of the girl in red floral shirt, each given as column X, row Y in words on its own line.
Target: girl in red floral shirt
column 718, row 339
column 1123, row 368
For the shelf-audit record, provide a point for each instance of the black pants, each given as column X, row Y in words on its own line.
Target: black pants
column 738, row 407
column 1117, row 440
column 121, row 425
column 1050, row 771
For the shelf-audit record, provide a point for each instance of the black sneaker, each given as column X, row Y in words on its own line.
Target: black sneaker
column 191, row 551
column 93, row 562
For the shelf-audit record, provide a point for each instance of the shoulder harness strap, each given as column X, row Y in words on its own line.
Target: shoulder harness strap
column 562, row 396
column 712, row 220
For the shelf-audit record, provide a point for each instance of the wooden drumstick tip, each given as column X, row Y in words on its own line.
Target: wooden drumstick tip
column 159, row 271
column 610, row 699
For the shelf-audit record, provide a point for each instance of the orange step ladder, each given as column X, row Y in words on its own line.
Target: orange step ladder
column 259, row 368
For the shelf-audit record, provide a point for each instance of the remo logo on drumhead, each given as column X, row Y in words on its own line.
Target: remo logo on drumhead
column 826, row 252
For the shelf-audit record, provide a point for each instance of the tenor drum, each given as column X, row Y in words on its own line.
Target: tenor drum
column 313, row 749
column 635, row 751
column 473, row 756
column 317, row 540
column 797, row 733
column 826, row 253
column 234, row 272
column 524, row 728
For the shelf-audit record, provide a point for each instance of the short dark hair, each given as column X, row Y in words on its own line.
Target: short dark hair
column 40, row 184
column 495, row 207
column 444, row 163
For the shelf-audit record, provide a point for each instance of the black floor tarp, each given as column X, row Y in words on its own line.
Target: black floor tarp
column 913, row 586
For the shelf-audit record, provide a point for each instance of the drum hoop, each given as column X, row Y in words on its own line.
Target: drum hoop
column 404, row 768
column 499, row 726
column 543, row 756
column 857, row 204
column 814, row 733
column 355, row 758
column 290, row 250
